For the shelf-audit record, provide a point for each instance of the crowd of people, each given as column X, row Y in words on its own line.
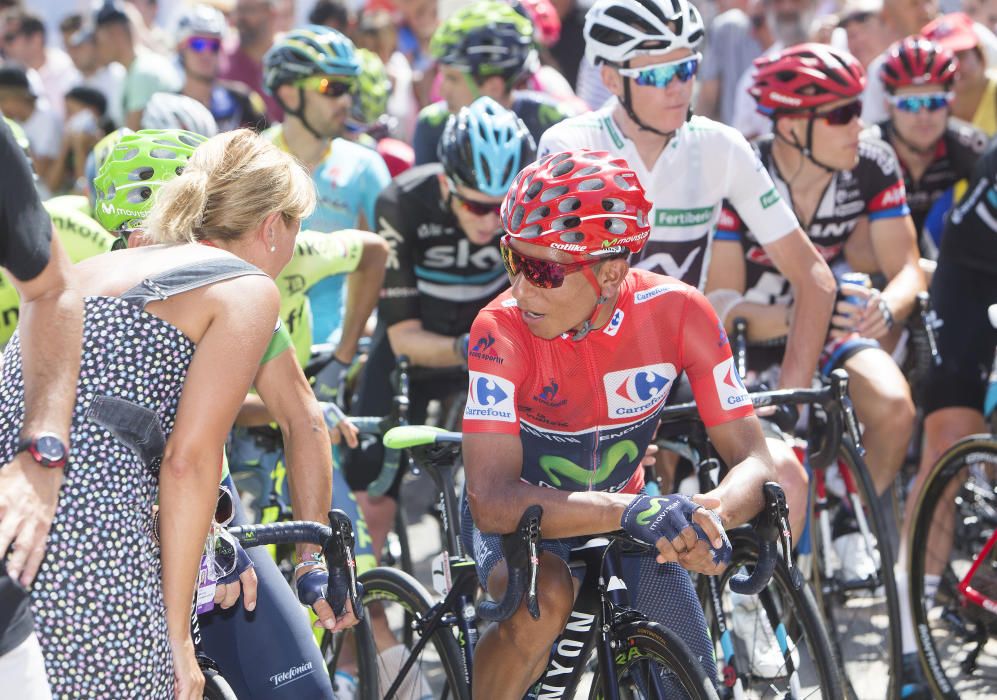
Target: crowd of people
column 280, row 176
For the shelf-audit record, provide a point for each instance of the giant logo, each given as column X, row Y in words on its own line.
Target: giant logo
column 730, row 388
column 632, row 392
column 490, row 398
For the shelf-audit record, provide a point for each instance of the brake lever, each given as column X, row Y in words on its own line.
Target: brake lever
column 340, row 557
column 839, row 385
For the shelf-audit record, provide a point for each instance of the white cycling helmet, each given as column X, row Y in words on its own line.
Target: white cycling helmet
column 200, row 20
column 619, row 30
column 166, row 110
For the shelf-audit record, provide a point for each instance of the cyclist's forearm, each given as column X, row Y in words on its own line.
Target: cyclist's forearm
column 565, row 513
column 808, row 328
column 188, row 491
column 253, row 412
column 765, row 321
column 740, row 492
column 363, row 290
column 424, row 348
column 901, row 292
column 309, row 465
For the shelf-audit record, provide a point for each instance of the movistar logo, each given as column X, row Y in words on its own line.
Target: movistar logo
column 682, row 217
column 644, row 517
column 619, row 453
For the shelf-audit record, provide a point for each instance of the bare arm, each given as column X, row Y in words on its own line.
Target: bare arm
column 50, row 327
column 290, row 401
column 741, row 444
column 727, row 272
column 424, row 348
column 224, row 364
column 497, row 497
column 363, row 289
column 894, row 245
column 813, row 294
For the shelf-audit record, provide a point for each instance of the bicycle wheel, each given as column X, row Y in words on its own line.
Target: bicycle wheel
column 862, row 616
column 396, row 601
column 783, row 623
column 646, row 653
column 216, row 687
column 354, row 652
column 954, row 524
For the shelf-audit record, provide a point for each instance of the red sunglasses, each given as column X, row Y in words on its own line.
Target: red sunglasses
column 475, row 207
column 545, row 274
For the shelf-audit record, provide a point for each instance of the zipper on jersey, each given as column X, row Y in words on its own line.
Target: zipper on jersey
column 600, row 404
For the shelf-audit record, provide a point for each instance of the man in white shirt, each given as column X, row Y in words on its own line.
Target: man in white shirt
column 109, row 79
column 24, row 42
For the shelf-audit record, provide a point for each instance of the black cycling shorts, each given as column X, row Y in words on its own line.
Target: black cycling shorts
column 966, row 340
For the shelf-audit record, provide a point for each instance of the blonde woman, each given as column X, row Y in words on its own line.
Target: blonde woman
column 173, row 335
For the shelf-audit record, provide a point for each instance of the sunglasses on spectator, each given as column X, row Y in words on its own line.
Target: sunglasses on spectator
column 329, row 87
column 662, row 74
column 474, row 206
column 916, row 103
column 203, row 44
column 545, row 274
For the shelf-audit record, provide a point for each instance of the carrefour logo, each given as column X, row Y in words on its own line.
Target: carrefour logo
column 730, row 388
column 490, row 398
column 632, row 392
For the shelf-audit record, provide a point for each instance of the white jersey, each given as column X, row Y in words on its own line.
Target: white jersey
column 705, row 163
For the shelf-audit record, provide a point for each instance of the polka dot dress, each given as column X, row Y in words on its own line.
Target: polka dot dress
column 97, row 601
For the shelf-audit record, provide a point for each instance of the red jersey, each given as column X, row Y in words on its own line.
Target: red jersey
column 586, row 411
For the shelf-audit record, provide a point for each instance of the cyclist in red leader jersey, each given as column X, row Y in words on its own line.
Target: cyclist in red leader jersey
column 573, row 366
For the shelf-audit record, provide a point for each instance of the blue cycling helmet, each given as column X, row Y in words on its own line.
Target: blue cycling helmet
column 484, row 146
column 310, row 50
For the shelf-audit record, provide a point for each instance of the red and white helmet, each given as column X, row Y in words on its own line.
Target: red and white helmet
column 918, row 61
column 804, row 77
column 581, row 201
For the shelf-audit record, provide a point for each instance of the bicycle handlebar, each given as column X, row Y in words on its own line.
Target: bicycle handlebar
column 336, row 540
column 520, row 549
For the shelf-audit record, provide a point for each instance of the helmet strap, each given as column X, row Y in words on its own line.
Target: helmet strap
column 628, row 107
column 806, row 150
column 599, row 301
column 299, row 112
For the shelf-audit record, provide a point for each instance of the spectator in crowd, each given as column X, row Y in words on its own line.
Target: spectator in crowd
column 376, row 32
column 150, row 29
column 86, row 124
column 982, row 11
column 147, row 72
column 335, row 14
column 863, row 23
column 975, row 92
column 25, row 42
column 108, row 78
column 787, row 23
column 419, row 22
column 19, row 101
column 569, row 50
column 731, row 46
column 199, row 42
column 254, row 20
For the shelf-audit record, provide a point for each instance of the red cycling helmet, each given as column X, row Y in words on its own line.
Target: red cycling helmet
column 918, row 61
column 546, row 21
column 581, row 201
column 804, row 77
column 397, row 155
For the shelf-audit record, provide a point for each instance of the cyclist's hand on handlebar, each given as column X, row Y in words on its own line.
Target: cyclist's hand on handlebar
column 330, row 380
column 242, row 580
column 340, row 427
column 675, row 525
column 311, row 583
column 188, row 681
column 650, row 455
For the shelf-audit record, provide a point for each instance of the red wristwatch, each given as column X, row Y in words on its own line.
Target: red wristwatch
column 46, row 449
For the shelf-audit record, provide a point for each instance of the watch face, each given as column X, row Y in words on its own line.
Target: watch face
column 50, row 448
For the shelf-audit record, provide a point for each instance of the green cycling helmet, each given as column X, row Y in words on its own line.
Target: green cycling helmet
column 484, row 39
column 98, row 154
column 310, row 50
column 370, row 101
column 137, row 165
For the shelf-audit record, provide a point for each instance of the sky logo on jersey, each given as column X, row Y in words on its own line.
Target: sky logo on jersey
column 631, row 392
column 730, row 388
column 613, row 327
column 483, row 350
column 490, row 398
